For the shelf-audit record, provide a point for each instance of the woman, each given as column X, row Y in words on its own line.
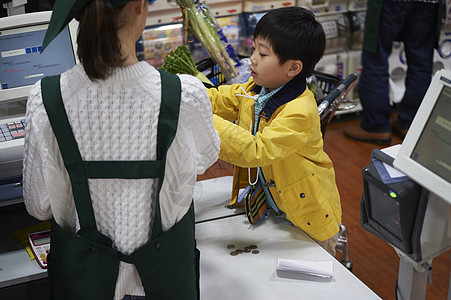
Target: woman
column 129, row 144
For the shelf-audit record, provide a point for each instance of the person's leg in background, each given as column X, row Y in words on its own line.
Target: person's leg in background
column 419, row 38
column 373, row 86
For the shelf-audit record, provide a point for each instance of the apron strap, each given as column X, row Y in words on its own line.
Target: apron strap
column 171, row 91
column 80, row 170
column 53, row 103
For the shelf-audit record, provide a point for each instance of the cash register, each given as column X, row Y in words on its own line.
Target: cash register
column 22, row 65
column 407, row 191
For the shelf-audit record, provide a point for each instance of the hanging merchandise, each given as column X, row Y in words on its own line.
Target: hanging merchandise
column 198, row 20
column 228, row 19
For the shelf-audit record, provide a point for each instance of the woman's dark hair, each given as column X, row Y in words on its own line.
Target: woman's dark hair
column 293, row 33
column 99, row 49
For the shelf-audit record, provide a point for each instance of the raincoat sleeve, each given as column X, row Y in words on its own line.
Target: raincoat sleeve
column 225, row 102
column 293, row 130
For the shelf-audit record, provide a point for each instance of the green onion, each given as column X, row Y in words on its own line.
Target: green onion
column 203, row 26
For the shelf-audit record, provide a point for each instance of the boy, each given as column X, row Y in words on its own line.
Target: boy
column 277, row 126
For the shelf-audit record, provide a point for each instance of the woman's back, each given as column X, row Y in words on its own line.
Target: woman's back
column 113, row 102
column 116, row 119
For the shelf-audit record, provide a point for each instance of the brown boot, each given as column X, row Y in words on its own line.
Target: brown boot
column 361, row 135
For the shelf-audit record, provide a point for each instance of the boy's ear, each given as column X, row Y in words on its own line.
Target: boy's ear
column 295, row 68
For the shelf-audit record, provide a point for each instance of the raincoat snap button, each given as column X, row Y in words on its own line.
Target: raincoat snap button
column 302, row 195
column 158, row 245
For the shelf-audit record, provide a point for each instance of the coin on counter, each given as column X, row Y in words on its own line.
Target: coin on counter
column 234, row 253
column 239, row 251
column 230, row 246
column 247, row 249
column 255, row 252
column 252, row 246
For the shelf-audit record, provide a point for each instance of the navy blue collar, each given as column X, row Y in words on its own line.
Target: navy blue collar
column 290, row 91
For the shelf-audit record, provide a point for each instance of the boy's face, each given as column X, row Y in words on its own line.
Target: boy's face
column 266, row 68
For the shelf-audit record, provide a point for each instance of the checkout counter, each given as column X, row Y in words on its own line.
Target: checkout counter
column 223, row 275
column 247, row 275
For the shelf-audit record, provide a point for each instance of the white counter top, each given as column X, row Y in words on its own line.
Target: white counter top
column 246, row 275
column 254, row 276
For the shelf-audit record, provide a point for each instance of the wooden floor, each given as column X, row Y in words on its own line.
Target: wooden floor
column 375, row 263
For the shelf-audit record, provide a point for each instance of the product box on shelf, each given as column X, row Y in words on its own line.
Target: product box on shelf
column 220, row 9
column 157, row 41
column 210, row 2
column 334, row 64
column 354, row 66
column 159, row 5
column 357, row 5
column 250, row 20
column 337, row 64
column 322, row 7
column 231, row 28
column 264, row 5
column 337, row 32
column 163, row 12
column 168, row 11
column 357, row 26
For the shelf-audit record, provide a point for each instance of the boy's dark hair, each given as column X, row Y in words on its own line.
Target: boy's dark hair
column 293, row 33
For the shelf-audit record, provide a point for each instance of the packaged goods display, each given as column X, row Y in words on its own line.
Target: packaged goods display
column 158, row 41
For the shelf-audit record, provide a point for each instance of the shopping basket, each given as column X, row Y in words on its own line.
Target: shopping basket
column 331, row 91
column 211, row 70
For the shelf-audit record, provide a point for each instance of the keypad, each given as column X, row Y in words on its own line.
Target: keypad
column 12, row 130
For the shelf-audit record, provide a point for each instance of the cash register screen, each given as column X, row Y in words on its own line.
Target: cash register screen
column 433, row 147
column 21, row 62
column 425, row 154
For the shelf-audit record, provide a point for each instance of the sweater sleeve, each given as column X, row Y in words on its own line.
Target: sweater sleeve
column 44, row 175
column 35, row 195
column 206, row 139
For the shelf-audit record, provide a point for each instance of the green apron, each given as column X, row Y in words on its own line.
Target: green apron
column 84, row 265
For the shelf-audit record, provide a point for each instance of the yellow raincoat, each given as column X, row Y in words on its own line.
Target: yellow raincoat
column 288, row 147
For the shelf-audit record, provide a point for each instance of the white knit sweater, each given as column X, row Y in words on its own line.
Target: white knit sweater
column 116, row 119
